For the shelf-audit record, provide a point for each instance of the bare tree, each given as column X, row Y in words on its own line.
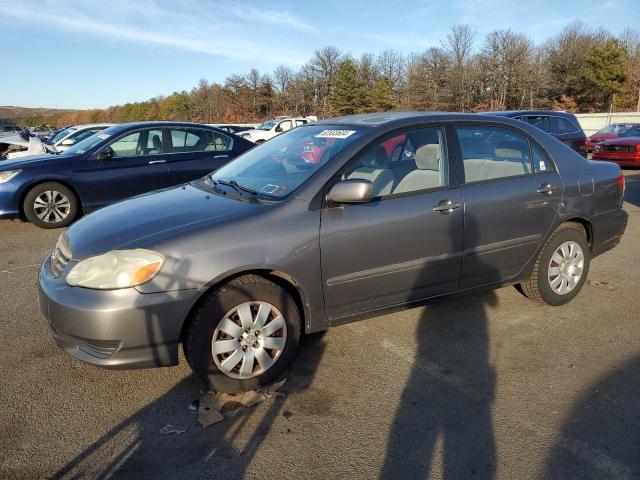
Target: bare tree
column 324, row 64
column 458, row 46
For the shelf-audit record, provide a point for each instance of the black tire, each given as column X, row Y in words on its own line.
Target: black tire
column 205, row 320
column 537, row 287
column 29, row 209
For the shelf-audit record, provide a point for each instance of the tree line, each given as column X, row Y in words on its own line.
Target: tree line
column 578, row 70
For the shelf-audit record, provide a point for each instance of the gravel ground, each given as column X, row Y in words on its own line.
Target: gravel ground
column 488, row 386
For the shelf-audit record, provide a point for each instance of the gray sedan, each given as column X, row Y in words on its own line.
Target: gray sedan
column 329, row 223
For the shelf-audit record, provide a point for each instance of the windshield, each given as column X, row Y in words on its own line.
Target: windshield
column 278, row 167
column 631, row 132
column 268, row 125
column 615, row 129
column 61, row 134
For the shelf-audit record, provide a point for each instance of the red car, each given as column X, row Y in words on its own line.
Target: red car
column 624, row 150
column 615, row 130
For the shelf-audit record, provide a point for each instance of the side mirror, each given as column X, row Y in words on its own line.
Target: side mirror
column 105, row 154
column 351, row 191
column 67, row 142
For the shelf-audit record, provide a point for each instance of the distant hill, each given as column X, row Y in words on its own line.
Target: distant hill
column 10, row 112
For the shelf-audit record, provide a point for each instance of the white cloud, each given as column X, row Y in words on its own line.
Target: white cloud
column 273, row 17
column 188, row 25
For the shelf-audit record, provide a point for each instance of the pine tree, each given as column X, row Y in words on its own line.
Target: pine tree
column 603, row 73
column 348, row 95
column 380, row 96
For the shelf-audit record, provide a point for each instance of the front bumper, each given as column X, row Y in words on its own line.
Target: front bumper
column 9, row 200
column 118, row 329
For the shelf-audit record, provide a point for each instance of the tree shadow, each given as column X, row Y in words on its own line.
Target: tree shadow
column 445, row 407
column 136, row 449
column 601, row 436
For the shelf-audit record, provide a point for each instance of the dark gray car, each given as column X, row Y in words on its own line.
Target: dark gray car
column 329, row 223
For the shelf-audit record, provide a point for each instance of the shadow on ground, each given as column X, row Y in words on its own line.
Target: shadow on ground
column 605, row 426
column 136, row 449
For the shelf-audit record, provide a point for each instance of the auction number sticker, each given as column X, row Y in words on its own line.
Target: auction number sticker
column 335, row 133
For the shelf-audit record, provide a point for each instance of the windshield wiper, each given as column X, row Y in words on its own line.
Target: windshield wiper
column 238, row 188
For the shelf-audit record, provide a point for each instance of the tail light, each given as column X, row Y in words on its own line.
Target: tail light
column 621, row 184
column 638, row 147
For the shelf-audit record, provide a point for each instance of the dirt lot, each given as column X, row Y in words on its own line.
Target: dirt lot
column 489, row 386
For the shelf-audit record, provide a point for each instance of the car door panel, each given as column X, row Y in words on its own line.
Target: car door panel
column 406, row 244
column 389, row 252
column 505, row 222
column 108, row 180
column 507, row 215
column 188, row 162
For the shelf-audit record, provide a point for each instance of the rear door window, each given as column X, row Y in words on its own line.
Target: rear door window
column 199, row 140
column 541, row 121
column 564, row 126
column 493, row 152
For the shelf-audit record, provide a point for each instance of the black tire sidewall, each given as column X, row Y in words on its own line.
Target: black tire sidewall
column 564, row 235
column 29, row 212
column 212, row 312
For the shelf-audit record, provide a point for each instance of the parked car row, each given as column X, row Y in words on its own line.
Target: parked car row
column 117, row 162
column 327, row 223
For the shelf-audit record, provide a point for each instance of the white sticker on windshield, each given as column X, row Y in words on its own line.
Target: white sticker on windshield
column 103, row 136
column 542, row 165
column 335, row 133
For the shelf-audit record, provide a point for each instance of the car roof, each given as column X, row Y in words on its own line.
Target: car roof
column 391, row 118
column 513, row 113
column 92, row 125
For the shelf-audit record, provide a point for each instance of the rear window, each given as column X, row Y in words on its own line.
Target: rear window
column 564, row 125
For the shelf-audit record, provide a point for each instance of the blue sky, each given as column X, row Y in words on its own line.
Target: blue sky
column 84, row 53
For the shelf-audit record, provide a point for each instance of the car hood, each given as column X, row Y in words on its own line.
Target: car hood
column 144, row 221
column 622, row 141
column 600, row 138
column 11, row 164
column 14, row 140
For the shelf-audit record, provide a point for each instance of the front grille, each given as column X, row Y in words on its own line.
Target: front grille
column 620, row 148
column 60, row 256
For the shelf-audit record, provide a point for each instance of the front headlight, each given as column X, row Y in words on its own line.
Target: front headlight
column 8, row 175
column 116, row 269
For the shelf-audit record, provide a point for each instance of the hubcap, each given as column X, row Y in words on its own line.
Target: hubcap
column 565, row 267
column 249, row 339
column 52, row 206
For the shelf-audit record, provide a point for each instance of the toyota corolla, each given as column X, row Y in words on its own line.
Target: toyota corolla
column 329, row 223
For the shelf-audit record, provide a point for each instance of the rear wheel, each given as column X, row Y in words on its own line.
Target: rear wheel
column 50, row 205
column 561, row 268
column 243, row 335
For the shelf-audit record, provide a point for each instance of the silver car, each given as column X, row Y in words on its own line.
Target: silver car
column 329, row 223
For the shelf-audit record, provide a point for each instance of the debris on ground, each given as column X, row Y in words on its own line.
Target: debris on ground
column 601, row 284
column 212, row 406
column 170, row 429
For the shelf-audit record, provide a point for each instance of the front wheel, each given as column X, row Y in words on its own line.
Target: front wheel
column 50, row 205
column 243, row 335
column 561, row 268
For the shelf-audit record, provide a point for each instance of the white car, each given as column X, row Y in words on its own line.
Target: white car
column 272, row 128
column 17, row 146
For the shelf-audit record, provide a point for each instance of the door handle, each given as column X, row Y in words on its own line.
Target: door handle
column 221, row 156
column 446, row 206
column 546, row 189
column 155, row 162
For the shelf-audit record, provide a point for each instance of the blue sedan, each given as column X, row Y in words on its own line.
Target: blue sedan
column 119, row 162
